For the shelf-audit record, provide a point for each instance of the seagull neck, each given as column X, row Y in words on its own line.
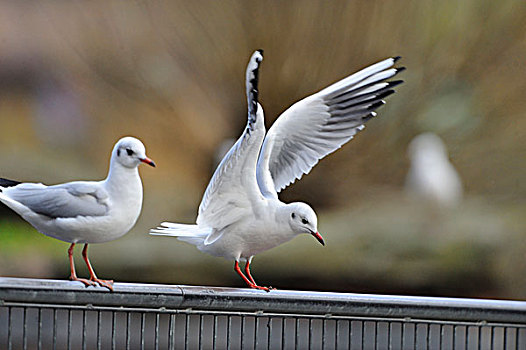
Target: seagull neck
column 120, row 175
column 282, row 212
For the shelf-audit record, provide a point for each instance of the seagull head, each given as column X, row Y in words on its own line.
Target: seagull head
column 130, row 152
column 303, row 219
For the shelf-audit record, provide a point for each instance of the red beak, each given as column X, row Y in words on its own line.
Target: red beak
column 318, row 237
column 148, row 161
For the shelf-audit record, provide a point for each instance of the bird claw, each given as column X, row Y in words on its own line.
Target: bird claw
column 266, row 289
column 93, row 281
column 86, row 282
column 103, row 283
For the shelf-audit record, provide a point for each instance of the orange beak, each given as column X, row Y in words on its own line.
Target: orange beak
column 318, row 237
column 148, row 161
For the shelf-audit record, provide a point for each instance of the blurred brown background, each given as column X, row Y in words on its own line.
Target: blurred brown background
column 75, row 76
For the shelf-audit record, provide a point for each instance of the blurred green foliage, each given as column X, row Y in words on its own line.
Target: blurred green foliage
column 10, row 239
column 24, row 252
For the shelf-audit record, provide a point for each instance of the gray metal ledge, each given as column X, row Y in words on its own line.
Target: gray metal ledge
column 176, row 297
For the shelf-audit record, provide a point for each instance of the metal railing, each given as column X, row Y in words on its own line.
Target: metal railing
column 50, row 314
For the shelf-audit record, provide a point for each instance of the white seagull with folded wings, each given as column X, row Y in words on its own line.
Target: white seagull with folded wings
column 85, row 211
column 240, row 214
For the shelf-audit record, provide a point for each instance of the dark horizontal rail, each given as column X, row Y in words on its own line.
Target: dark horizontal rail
column 165, row 297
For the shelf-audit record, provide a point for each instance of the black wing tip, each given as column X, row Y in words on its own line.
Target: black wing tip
column 368, row 117
column 8, row 183
column 400, row 69
column 259, row 58
column 396, row 58
column 252, row 85
column 376, row 105
column 394, row 83
column 385, row 94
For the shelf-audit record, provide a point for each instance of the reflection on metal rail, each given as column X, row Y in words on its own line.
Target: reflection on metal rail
column 62, row 314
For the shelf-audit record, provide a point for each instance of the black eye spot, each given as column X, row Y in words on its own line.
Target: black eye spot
column 129, row 151
column 304, row 221
column 293, row 215
column 119, row 152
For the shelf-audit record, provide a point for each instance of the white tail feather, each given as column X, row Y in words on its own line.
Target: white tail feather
column 173, row 229
column 167, row 232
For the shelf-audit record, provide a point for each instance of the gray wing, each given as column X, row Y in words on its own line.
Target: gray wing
column 233, row 187
column 62, row 201
column 320, row 124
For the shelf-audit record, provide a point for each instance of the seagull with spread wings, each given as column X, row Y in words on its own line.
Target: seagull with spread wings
column 240, row 214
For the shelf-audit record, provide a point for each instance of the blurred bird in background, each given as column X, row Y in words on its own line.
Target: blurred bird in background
column 431, row 175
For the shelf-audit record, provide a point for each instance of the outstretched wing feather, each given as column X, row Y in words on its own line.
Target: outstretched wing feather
column 320, row 124
column 233, row 188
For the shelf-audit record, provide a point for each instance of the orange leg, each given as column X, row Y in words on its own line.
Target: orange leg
column 251, row 283
column 247, row 272
column 103, row 283
column 73, row 275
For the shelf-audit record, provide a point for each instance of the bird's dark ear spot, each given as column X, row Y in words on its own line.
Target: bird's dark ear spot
column 119, row 152
column 293, row 215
